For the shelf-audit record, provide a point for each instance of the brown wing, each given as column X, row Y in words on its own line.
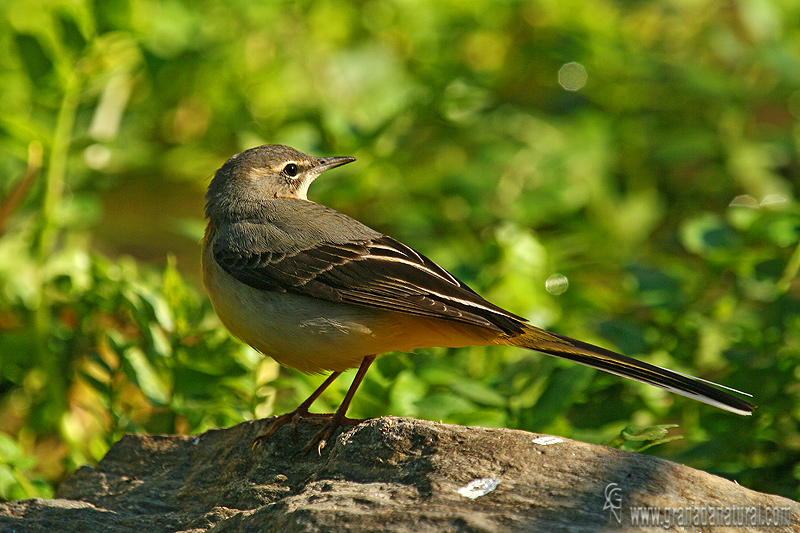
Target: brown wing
column 379, row 272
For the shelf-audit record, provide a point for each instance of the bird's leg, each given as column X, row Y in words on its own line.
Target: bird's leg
column 295, row 416
column 322, row 436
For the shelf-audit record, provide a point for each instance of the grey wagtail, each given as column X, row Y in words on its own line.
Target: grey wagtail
column 319, row 291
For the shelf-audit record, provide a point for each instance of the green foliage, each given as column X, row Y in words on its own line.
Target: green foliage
column 634, row 439
column 17, row 479
column 125, row 351
column 664, row 191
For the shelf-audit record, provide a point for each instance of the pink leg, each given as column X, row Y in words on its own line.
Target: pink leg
column 338, row 418
column 295, row 416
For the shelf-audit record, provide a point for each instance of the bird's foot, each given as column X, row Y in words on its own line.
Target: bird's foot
column 331, row 423
column 294, row 417
column 320, row 438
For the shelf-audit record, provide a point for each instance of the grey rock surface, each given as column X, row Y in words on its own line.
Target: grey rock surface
column 388, row 474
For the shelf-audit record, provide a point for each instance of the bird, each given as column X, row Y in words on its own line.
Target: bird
column 318, row 291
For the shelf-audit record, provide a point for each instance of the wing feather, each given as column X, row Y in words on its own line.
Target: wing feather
column 379, row 272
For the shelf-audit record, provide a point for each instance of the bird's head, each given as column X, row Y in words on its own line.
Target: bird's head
column 254, row 176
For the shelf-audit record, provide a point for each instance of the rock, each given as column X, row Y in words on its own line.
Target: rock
column 387, row 474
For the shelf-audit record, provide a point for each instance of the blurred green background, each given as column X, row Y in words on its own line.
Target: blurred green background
column 645, row 151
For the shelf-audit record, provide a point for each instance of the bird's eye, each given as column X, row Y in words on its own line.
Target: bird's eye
column 290, row 170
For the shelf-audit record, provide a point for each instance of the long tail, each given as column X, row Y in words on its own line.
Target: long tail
column 621, row 365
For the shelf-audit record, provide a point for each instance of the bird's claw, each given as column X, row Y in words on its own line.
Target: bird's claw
column 294, row 417
column 319, row 440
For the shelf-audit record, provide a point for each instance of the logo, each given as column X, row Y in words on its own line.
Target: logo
column 613, row 502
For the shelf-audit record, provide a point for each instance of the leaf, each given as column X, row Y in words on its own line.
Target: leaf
column 478, row 392
column 407, row 389
column 639, row 439
column 37, row 62
column 565, row 386
column 709, row 236
column 146, row 377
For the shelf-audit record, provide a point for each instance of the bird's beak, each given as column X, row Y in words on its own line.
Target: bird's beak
column 327, row 163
